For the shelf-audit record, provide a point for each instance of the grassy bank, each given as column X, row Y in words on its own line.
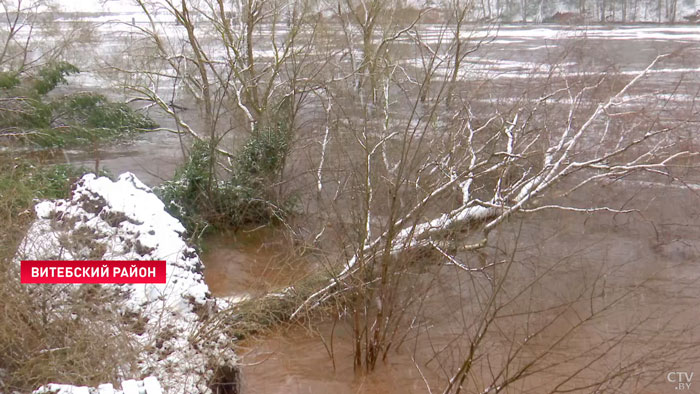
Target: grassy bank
column 41, row 341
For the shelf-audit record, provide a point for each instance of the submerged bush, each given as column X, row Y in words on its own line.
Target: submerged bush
column 198, row 198
column 94, row 110
column 51, row 75
column 8, row 80
column 28, row 115
column 262, row 156
column 185, row 195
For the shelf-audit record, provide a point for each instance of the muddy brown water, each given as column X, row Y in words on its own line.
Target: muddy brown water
column 292, row 359
column 299, row 361
column 660, row 250
column 250, row 263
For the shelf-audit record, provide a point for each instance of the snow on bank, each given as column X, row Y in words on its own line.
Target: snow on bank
column 149, row 385
column 124, row 220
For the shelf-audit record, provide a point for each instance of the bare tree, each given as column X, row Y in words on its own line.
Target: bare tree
column 509, row 163
column 31, row 37
column 235, row 78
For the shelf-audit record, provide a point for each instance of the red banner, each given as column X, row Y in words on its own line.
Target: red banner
column 96, row 271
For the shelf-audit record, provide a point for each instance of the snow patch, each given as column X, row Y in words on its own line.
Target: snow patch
column 149, row 385
column 124, row 220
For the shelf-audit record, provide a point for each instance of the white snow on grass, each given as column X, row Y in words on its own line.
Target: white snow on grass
column 149, row 385
column 124, row 220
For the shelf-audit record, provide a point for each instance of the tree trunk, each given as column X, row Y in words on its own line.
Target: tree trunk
column 673, row 7
column 602, row 4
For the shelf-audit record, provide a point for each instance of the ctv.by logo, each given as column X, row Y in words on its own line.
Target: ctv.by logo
column 680, row 379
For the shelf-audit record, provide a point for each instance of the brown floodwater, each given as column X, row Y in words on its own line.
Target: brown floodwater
column 293, row 359
column 655, row 256
column 250, row 263
column 296, row 360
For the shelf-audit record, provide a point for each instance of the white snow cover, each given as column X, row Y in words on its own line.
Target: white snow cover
column 149, row 385
column 124, row 220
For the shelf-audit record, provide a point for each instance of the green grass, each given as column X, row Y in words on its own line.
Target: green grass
column 23, row 182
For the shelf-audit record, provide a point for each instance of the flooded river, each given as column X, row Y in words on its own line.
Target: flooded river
column 617, row 278
column 293, row 359
column 250, row 263
column 654, row 257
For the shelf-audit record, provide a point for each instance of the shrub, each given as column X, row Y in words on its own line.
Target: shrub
column 8, row 80
column 185, row 195
column 263, row 155
column 95, row 111
column 198, row 198
column 51, row 75
column 68, row 120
